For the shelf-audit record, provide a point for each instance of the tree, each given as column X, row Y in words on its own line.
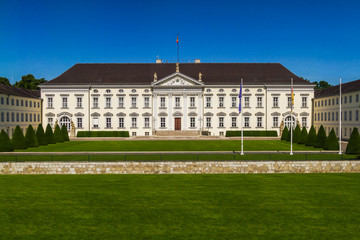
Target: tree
column 58, row 134
column 18, row 139
column 322, row 85
column 65, row 133
column 303, row 136
column 284, row 133
column 5, row 81
column 332, row 142
column 40, row 135
column 5, row 142
column 321, row 138
column 353, row 146
column 30, row 138
column 50, row 139
column 29, row 82
column 311, row 139
column 296, row 136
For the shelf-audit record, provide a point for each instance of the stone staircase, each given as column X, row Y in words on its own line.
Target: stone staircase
column 184, row 133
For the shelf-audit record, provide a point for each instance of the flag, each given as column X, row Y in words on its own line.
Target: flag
column 240, row 95
column 292, row 96
column 177, row 39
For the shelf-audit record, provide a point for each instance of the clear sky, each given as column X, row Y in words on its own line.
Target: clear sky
column 318, row 40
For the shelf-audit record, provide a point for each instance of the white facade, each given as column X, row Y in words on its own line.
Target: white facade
column 174, row 103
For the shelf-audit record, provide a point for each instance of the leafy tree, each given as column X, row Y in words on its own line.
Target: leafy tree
column 332, row 142
column 321, row 138
column 353, row 146
column 5, row 142
column 40, row 135
column 311, row 139
column 5, row 81
column 30, row 138
column 58, row 134
column 29, row 82
column 296, row 136
column 65, row 133
column 18, row 139
column 322, row 85
column 49, row 135
column 303, row 136
column 284, row 133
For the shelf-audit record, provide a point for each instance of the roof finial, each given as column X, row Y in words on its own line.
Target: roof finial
column 200, row 74
column 155, row 77
column 177, row 67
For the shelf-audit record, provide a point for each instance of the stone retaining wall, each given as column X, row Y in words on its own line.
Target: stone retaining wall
column 179, row 167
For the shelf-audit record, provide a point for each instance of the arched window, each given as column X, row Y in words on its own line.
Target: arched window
column 65, row 121
column 290, row 121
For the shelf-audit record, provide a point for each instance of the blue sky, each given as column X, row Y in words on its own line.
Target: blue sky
column 318, row 40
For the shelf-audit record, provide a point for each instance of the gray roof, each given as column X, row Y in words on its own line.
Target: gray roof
column 333, row 91
column 12, row 90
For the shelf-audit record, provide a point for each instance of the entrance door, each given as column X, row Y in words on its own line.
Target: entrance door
column 177, row 123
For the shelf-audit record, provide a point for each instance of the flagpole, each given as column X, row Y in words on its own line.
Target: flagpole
column 177, row 43
column 241, row 119
column 340, row 119
column 291, row 122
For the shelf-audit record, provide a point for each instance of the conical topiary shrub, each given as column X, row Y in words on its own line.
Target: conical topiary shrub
column 288, row 138
column 353, row 146
column 49, row 135
column 18, row 139
column 303, row 136
column 311, row 139
column 296, row 136
column 65, row 133
column 284, row 133
column 58, row 134
column 332, row 142
column 30, row 138
column 5, row 143
column 320, row 138
column 40, row 135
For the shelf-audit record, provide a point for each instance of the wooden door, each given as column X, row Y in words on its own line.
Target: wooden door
column 177, row 123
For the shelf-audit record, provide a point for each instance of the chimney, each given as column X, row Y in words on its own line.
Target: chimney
column 158, row 61
column 197, row 60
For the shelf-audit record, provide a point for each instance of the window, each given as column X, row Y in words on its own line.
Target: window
column 2, row 100
column 95, row 122
column 208, row 122
column 259, row 101
column 345, row 116
column 146, row 102
column 147, row 122
column 332, row 116
column 350, row 115
column 315, row 117
column 34, row 117
column 13, row 117
column 275, row 121
column 133, row 134
column 259, row 122
column 192, row 122
column 333, row 101
column 26, row 117
column 337, row 116
column 337, row 101
column 357, row 115
column 79, row 102
column 2, row 117
column 304, row 121
column 246, row 101
column 29, row 102
column 234, row 122
column 345, row 99
column 162, row 102
column 8, row 117
column 304, row 101
column 233, row 101
column 7, row 101
column 22, row 117
column 275, row 102
column 50, row 102
column 357, row 98
column 177, row 102
column 329, row 102
column 50, row 121
column 108, row 102
column 79, row 123
column 39, row 117
column 108, row 122
column 328, row 116
column 134, row 122
column 121, row 102
column 322, row 116
column 289, row 102
column 221, row 101
column 162, row 122
column 64, row 102
column 246, row 121
column 95, row 102
column 17, row 117
column 121, row 122
column 17, row 102
column 345, row 132
column 208, row 101
column 325, row 103
column 12, row 102
column 322, row 103
column 221, row 121
column 133, row 102
column 350, row 99
column 147, row 134
column 325, row 117
column 192, row 102
column 315, row 104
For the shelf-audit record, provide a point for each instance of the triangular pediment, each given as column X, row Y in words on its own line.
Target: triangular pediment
column 177, row 80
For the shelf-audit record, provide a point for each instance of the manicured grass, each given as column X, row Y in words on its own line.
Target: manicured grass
column 198, row 145
column 274, row 206
column 180, row 157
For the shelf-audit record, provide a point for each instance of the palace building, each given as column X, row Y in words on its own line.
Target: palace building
column 149, row 99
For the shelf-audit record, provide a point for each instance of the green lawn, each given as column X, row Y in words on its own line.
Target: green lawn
column 194, row 145
column 274, row 206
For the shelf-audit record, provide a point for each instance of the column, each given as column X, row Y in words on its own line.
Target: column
column 185, row 117
column 170, row 123
column 200, row 111
column 154, row 112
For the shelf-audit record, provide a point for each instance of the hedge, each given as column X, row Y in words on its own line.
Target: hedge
column 49, row 135
column 332, row 142
column 5, row 142
column 353, row 146
column 102, row 134
column 65, row 133
column 311, row 139
column 251, row 134
column 18, row 139
column 284, row 133
column 321, row 138
column 30, row 138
